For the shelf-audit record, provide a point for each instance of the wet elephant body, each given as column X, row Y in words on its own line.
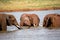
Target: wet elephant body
column 29, row 19
column 7, row 20
column 52, row 21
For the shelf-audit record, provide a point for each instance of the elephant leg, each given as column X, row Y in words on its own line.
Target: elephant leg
column 4, row 26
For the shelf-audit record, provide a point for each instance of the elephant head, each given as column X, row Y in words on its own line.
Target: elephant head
column 11, row 20
column 24, row 20
column 34, row 20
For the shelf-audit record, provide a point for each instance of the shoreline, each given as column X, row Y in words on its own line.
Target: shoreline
column 31, row 9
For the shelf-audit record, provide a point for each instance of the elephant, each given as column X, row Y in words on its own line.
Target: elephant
column 24, row 20
column 7, row 20
column 52, row 21
column 30, row 20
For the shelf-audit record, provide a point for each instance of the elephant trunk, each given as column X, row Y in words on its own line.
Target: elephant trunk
column 18, row 27
column 48, row 24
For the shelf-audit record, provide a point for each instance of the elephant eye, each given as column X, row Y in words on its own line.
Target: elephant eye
column 9, row 17
column 12, row 20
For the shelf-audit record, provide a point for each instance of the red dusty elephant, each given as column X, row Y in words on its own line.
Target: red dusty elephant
column 52, row 21
column 7, row 20
column 29, row 19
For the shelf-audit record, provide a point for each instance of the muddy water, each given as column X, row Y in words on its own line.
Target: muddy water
column 39, row 33
column 31, row 34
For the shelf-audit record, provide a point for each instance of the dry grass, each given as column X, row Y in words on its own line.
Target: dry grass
column 28, row 4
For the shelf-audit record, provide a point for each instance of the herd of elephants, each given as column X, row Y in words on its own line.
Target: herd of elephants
column 30, row 20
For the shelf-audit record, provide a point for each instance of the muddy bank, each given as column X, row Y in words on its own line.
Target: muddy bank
column 31, row 9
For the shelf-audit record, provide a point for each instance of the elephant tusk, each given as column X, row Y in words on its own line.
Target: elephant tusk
column 18, row 27
column 34, row 25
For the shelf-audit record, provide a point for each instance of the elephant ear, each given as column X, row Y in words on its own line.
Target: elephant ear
column 49, row 22
column 8, row 21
